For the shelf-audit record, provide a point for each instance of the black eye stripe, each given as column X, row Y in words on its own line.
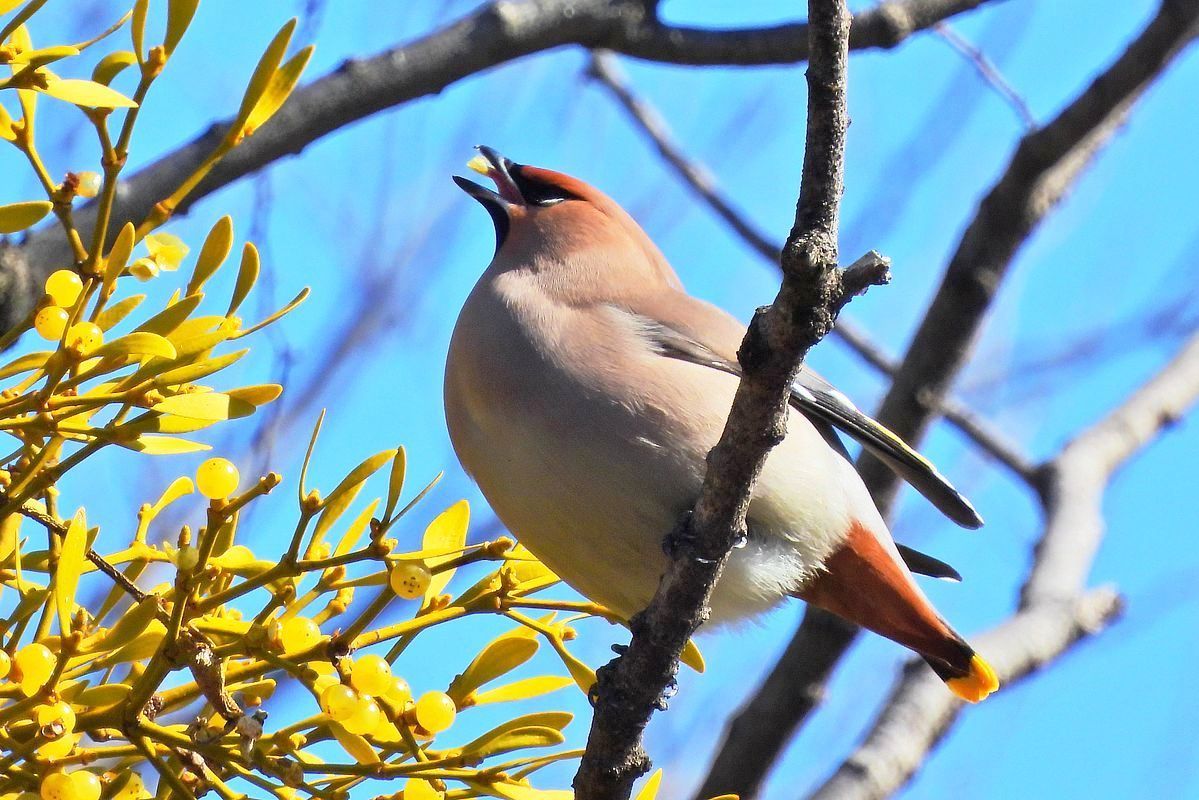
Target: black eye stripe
column 538, row 193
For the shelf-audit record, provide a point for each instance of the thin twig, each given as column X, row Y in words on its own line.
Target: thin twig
column 604, row 69
column 494, row 34
column 988, row 72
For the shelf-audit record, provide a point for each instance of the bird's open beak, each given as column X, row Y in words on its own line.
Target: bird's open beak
column 494, row 166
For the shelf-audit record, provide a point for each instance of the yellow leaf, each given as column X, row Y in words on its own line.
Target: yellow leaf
column 179, row 16
column 507, row 790
column 70, row 568
column 345, row 492
column 213, row 252
column 130, row 625
column 487, row 746
column 111, row 317
column 44, row 55
column 180, row 487
column 6, row 130
column 258, row 395
column 9, row 5
column 205, row 405
column 88, row 94
column 189, row 373
column 523, row 689
column 111, row 65
column 498, row 658
column 584, row 676
column 692, row 657
column 282, row 83
column 272, row 57
column 144, row 645
column 138, row 343
column 446, row 531
column 165, row 322
column 108, row 694
column 247, row 276
column 287, row 309
column 395, row 484
column 16, row 217
column 650, row 790
column 137, row 30
column 25, row 363
column 350, row 537
column 118, row 256
column 355, row 745
column 163, row 445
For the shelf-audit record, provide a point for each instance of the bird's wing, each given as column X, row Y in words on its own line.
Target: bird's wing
column 680, row 326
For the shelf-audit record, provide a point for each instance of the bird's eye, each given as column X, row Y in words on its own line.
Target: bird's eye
column 539, row 193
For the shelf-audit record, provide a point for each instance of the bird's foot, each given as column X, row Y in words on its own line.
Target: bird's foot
column 680, row 537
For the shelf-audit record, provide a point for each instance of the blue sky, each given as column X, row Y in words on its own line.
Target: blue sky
column 369, row 218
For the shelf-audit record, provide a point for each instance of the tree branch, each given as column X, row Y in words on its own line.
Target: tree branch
column 811, row 294
column 919, row 712
column 495, row 34
column 603, row 69
column 1044, row 166
column 1053, row 612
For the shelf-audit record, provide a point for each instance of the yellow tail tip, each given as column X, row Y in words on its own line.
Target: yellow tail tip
column 978, row 684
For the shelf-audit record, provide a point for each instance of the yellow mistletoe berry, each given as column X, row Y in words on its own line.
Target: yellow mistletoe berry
column 86, row 786
column 5, row 664
column 167, row 250
column 50, row 713
column 410, row 579
column 84, row 337
column 435, row 711
column 371, row 675
column 416, row 789
column 64, row 287
column 339, row 702
column 298, row 633
column 79, row 785
column 217, row 478
column 58, row 748
column 88, row 184
column 366, row 718
column 399, row 693
column 36, row 664
column 57, row 786
column 50, row 322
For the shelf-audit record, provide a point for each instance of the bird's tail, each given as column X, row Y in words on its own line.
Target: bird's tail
column 965, row 672
column 866, row 583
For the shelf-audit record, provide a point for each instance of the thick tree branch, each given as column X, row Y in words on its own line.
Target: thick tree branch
column 498, row 32
column 604, row 69
column 1044, row 166
column 779, row 336
column 1053, row 611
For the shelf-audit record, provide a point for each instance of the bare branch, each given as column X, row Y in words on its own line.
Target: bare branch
column 604, row 69
column 1045, row 165
column 919, row 712
column 495, row 34
column 988, row 72
column 811, row 294
column 1053, row 611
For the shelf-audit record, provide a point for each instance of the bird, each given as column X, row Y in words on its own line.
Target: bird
column 583, row 390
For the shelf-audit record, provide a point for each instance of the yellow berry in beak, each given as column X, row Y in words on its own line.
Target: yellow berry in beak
column 479, row 165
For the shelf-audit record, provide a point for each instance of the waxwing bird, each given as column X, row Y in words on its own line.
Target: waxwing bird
column 584, row 388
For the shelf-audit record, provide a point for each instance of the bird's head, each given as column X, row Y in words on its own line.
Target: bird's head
column 545, row 217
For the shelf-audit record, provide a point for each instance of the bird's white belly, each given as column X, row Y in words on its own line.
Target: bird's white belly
column 595, row 504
